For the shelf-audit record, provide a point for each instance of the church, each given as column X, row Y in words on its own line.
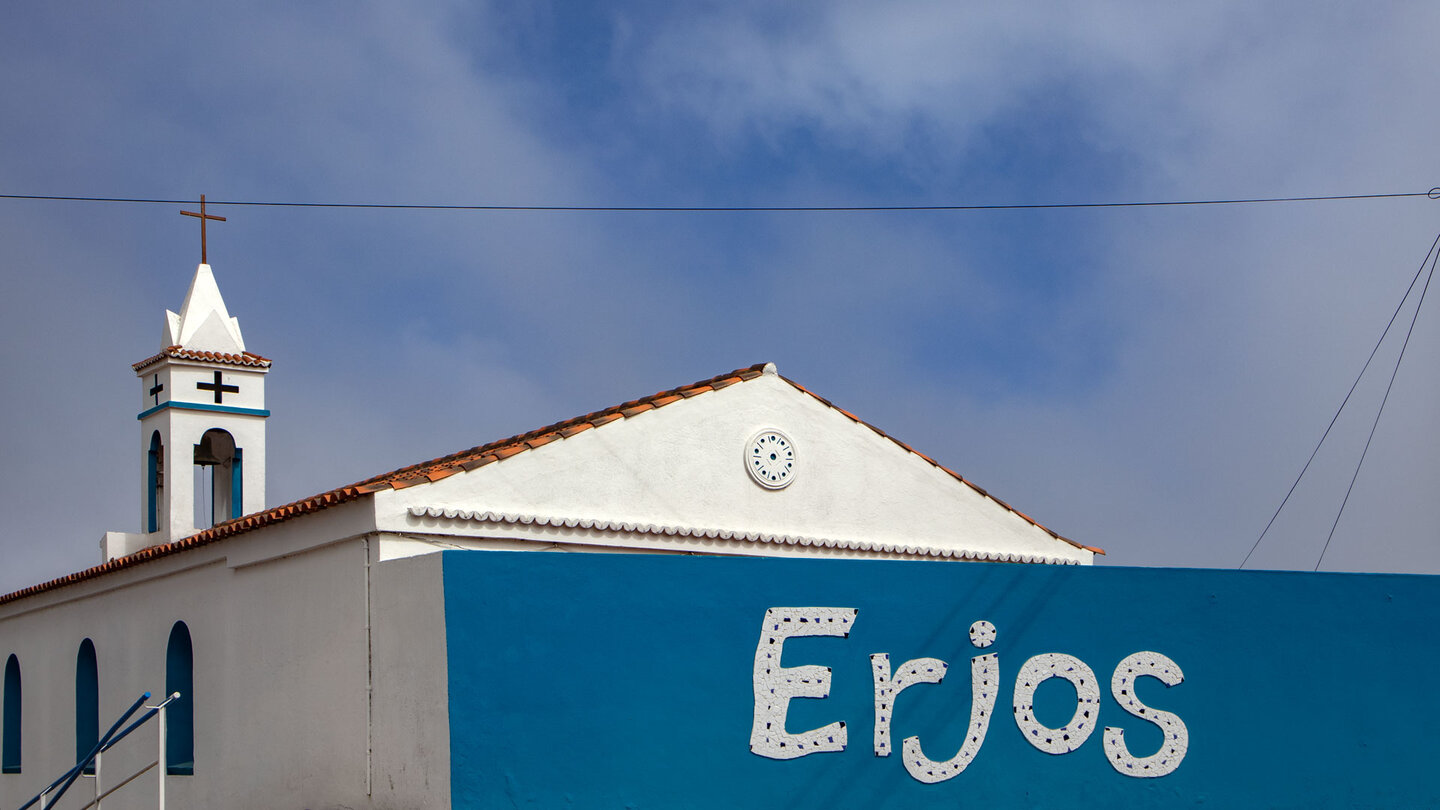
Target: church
column 318, row 647
column 767, row 603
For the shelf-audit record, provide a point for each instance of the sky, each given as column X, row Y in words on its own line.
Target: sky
column 1146, row 380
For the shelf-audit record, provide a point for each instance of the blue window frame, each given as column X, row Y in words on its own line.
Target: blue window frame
column 180, row 715
column 237, row 490
column 10, row 755
column 87, row 702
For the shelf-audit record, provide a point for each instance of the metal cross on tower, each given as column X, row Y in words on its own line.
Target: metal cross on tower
column 218, row 387
column 202, row 216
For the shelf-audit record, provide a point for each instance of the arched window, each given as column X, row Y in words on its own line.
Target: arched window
column 10, row 755
column 218, row 478
column 87, row 702
column 180, row 715
column 154, row 483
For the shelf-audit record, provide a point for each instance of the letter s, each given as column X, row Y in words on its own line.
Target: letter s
column 1177, row 737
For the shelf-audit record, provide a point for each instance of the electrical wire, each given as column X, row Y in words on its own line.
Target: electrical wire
column 1433, row 194
column 1383, row 400
column 1346, row 400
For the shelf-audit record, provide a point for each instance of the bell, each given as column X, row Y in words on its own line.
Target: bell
column 216, row 448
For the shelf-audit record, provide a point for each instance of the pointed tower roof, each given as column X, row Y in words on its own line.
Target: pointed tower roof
column 203, row 323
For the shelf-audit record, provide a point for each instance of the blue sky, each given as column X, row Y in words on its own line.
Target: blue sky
column 1146, row 380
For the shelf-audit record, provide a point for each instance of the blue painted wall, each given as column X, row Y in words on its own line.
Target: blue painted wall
column 600, row 681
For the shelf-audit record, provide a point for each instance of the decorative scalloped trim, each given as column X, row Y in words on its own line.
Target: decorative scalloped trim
column 630, row 527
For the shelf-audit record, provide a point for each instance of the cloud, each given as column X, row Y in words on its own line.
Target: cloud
column 1145, row 380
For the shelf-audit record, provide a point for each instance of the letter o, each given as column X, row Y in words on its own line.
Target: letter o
column 1073, row 734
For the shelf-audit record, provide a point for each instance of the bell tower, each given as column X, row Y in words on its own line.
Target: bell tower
column 202, row 424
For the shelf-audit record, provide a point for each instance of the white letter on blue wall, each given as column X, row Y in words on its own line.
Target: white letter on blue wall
column 1177, row 737
column 984, row 673
column 887, row 688
column 775, row 685
column 1073, row 734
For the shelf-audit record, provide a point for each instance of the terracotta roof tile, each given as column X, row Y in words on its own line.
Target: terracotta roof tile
column 181, row 353
column 446, row 466
column 957, row 476
column 477, row 462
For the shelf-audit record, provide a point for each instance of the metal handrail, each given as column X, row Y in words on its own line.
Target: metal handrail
column 131, row 778
column 105, row 743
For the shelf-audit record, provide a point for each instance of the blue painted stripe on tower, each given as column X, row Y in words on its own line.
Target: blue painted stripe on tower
column 195, row 406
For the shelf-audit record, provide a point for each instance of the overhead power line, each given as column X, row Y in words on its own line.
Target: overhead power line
column 1403, row 346
column 1383, row 334
column 1433, row 193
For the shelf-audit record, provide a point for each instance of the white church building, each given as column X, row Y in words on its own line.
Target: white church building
column 308, row 641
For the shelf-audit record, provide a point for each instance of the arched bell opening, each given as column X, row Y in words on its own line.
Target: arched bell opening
column 218, row 479
column 154, row 483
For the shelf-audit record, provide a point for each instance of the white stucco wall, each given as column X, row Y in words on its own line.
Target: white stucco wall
column 282, row 669
column 682, row 466
column 411, row 721
column 181, row 377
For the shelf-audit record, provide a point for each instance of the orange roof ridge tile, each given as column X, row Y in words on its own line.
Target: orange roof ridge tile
column 445, row 466
column 181, row 353
column 957, row 476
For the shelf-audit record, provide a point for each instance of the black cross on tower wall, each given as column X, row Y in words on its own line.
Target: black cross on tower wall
column 156, row 389
column 220, row 389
